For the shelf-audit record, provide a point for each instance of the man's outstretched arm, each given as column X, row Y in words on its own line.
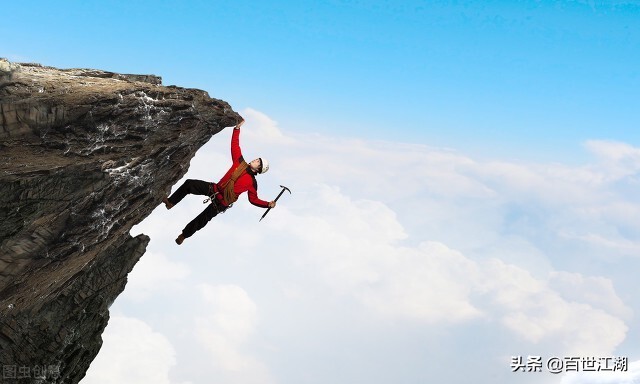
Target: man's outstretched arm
column 255, row 200
column 236, row 152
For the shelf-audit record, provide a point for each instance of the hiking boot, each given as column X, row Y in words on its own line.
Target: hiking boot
column 180, row 239
column 167, row 203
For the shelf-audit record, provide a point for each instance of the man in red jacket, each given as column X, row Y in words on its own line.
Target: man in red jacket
column 238, row 179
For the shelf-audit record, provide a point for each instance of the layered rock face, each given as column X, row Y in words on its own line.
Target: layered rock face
column 84, row 156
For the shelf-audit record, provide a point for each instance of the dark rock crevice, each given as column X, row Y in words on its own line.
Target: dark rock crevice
column 84, row 156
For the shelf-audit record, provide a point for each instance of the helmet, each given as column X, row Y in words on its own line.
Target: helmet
column 265, row 165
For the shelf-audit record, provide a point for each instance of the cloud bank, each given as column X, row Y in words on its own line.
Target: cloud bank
column 419, row 239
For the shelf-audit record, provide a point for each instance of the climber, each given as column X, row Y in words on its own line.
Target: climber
column 238, row 179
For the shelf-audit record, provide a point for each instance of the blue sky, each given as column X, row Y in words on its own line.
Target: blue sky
column 473, row 193
column 531, row 79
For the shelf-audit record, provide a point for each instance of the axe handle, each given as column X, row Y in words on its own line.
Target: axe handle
column 276, row 199
column 265, row 214
column 279, row 194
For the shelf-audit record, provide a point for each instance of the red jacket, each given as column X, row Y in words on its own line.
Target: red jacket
column 246, row 182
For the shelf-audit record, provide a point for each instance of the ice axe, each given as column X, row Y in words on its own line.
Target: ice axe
column 276, row 199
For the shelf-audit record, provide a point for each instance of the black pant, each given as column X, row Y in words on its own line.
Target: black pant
column 197, row 187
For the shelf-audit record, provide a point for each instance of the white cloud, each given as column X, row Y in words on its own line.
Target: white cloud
column 263, row 130
column 132, row 353
column 618, row 160
column 597, row 291
column 355, row 245
column 155, row 273
column 224, row 330
column 532, row 309
column 414, row 234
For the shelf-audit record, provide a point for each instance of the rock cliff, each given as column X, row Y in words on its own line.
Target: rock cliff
column 84, row 156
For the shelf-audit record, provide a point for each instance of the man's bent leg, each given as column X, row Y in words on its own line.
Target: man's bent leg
column 194, row 187
column 200, row 221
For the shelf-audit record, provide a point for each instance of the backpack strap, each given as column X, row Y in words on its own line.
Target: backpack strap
column 228, row 193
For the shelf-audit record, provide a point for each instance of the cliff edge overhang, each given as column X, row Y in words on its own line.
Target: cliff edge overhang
column 84, row 155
